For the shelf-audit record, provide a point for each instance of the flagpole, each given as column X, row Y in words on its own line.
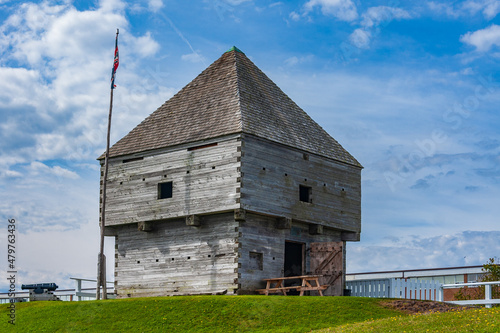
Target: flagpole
column 101, row 270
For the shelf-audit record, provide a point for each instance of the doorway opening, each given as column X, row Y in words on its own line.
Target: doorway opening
column 294, row 263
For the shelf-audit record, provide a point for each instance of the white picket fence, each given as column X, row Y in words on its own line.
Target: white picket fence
column 488, row 301
column 396, row 288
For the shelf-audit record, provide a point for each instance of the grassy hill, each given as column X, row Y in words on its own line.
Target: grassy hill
column 473, row 320
column 233, row 314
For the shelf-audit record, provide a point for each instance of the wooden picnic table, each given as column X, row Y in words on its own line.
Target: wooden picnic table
column 308, row 283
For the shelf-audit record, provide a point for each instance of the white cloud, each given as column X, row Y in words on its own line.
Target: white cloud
column 492, row 9
column 12, row 174
column 443, row 8
column 360, row 38
column 145, row 45
column 292, row 61
column 294, row 16
column 68, row 55
column 38, row 168
column 344, row 10
column 18, row 85
column 374, row 16
column 371, row 20
column 155, row 5
column 483, row 40
column 110, row 6
column 448, row 250
column 236, row 2
column 194, row 57
column 72, row 253
column 488, row 8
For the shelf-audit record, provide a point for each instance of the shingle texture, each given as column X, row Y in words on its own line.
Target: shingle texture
column 231, row 96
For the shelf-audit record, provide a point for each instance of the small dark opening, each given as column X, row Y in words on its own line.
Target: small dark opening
column 165, row 190
column 305, row 157
column 305, row 193
column 202, row 146
column 133, row 159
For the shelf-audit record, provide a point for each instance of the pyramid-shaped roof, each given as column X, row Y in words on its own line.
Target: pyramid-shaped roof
column 231, row 96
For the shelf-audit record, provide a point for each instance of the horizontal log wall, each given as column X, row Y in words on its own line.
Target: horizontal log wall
column 272, row 174
column 258, row 234
column 176, row 259
column 205, row 180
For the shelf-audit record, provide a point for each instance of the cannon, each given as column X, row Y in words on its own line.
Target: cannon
column 41, row 291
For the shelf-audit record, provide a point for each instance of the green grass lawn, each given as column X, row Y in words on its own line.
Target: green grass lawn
column 474, row 320
column 238, row 314
column 195, row 314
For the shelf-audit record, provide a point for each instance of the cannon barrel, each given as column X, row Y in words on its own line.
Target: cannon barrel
column 38, row 288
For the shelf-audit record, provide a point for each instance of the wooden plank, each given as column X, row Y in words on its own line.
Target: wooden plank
column 175, row 259
column 204, row 181
column 272, row 173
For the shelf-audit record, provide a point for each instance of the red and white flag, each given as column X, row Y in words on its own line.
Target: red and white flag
column 116, row 62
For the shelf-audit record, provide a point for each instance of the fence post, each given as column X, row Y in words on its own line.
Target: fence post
column 487, row 294
column 79, row 288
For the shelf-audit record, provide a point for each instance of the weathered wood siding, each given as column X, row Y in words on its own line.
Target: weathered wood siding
column 272, row 173
column 175, row 259
column 258, row 234
column 204, row 180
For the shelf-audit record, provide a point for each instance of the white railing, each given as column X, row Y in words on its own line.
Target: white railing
column 422, row 290
column 487, row 301
column 77, row 294
column 369, row 288
column 396, row 288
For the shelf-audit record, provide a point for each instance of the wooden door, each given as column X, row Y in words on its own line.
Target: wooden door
column 327, row 260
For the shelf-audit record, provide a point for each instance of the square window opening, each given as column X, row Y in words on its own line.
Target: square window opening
column 305, row 193
column 256, row 261
column 165, row 190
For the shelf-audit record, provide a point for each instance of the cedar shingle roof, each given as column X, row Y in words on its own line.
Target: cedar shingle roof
column 231, row 96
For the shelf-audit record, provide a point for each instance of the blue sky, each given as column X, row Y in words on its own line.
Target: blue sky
column 411, row 89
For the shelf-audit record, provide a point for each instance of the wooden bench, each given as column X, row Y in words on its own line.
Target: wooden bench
column 282, row 290
column 275, row 285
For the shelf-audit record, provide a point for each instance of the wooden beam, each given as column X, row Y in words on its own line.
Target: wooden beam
column 109, row 231
column 283, row 223
column 350, row 236
column 193, row 220
column 240, row 215
column 315, row 229
column 145, row 226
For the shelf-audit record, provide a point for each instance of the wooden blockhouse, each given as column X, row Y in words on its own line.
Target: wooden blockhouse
column 227, row 183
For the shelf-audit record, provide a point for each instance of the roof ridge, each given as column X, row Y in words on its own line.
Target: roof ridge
column 235, row 49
